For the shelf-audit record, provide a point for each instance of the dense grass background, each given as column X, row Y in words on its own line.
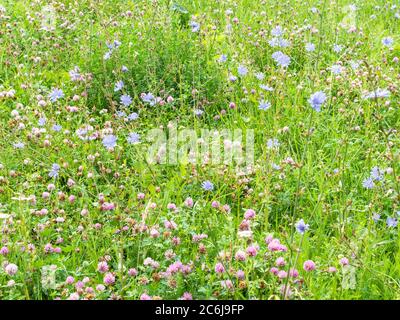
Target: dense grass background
column 333, row 151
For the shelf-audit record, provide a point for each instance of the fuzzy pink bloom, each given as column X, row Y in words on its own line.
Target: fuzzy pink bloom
column 240, row 255
column 69, row 280
column 102, row 266
column 268, row 239
column 293, row 273
column 169, row 224
column 219, row 268
column 109, row 279
column 45, row 195
column 282, row 274
column 11, row 269
column 189, row 202
column 100, row 287
column 240, row 274
column 186, row 296
column 154, row 233
column 249, row 214
column 171, row 206
column 280, row 262
column 274, row 270
column 332, row 269
column 170, row 99
column 73, row 296
column 176, row 241
column 252, row 251
column 89, row 290
column 145, row 296
column 132, row 272
column 344, row 261
column 309, row 265
column 140, row 196
column 4, row 251
column 71, row 198
column 227, row 284
column 215, row 204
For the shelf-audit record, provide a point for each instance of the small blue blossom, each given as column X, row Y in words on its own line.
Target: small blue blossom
column 55, row 168
column 126, row 100
column 242, row 70
column 42, row 121
column 391, row 222
column 281, row 59
column 266, row 87
column 337, row 48
column 232, row 78
column 118, row 86
column 310, row 47
column 133, row 116
column 260, row 76
column 56, row 94
column 19, row 145
column 376, row 217
column 376, row 174
column 388, row 41
column 195, row 26
column 277, row 31
column 133, row 138
column 273, row 143
column 317, row 100
column 74, row 74
column 378, row 93
column 301, row 226
column 264, row 105
column 336, row 69
column 149, row 98
column 110, row 141
column 198, row 112
column 368, row 183
column 223, row 58
column 56, row 128
column 207, row 185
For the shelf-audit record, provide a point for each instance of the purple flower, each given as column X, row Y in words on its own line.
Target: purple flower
column 56, row 94
column 391, row 222
column 310, row 47
column 57, row 128
column 368, row 183
column 110, row 141
column 388, row 41
column 281, row 59
column 149, row 98
column 55, row 168
column 133, row 138
column 264, row 105
column 301, row 226
column 207, row 185
column 19, row 145
column 133, row 116
column 376, row 174
column 126, row 100
column 242, row 70
column 277, row 31
column 378, row 93
column 317, row 100
column 118, row 85
column 194, row 26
